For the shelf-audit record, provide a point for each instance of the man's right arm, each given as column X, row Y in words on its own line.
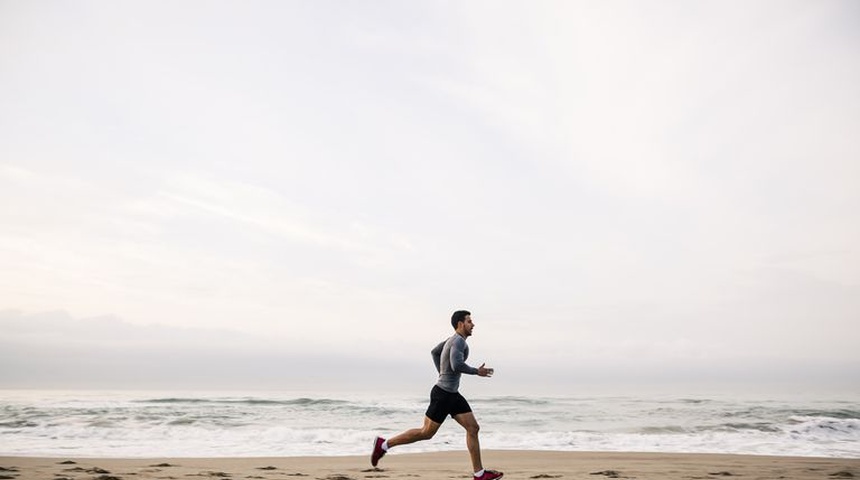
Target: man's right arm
column 437, row 356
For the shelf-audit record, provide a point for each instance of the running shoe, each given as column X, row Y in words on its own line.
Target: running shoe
column 378, row 452
column 490, row 475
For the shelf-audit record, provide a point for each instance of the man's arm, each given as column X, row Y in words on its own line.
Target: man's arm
column 458, row 358
column 437, row 356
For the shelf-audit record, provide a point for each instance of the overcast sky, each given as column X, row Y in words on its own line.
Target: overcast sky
column 660, row 191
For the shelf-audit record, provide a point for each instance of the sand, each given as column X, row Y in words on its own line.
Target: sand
column 438, row 466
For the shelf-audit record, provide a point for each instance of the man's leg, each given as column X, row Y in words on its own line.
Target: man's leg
column 416, row 434
column 468, row 421
column 381, row 446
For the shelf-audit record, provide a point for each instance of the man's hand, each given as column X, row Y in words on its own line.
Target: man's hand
column 485, row 372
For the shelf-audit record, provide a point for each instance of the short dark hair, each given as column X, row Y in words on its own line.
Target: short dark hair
column 459, row 316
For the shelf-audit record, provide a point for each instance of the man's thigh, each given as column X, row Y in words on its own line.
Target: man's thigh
column 467, row 420
column 430, row 426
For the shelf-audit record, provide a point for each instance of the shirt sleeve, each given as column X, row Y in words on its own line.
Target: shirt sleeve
column 458, row 357
column 437, row 355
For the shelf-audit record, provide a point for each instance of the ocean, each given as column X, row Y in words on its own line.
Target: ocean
column 173, row 424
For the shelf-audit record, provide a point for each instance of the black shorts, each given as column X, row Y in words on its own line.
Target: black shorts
column 444, row 403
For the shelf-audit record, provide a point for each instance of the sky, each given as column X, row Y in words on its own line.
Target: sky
column 299, row 194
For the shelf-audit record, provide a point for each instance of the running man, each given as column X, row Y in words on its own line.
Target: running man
column 445, row 399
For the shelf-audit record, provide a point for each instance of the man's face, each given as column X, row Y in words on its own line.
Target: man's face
column 468, row 325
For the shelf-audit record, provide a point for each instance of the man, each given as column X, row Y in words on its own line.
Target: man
column 445, row 399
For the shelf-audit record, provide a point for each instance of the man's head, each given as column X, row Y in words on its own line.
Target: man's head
column 461, row 320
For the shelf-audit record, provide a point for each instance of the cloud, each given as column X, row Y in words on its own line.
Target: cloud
column 55, row 350
column 253, row 206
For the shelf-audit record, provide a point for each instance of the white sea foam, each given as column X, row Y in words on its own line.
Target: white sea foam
column 174, row 425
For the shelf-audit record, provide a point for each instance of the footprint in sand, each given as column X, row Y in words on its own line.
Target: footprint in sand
column 608, row 474
column 544, row 475
column 338, row 477
column 8, row 473
column 842, row 474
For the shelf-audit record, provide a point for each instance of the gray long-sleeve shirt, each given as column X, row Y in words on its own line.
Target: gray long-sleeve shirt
column 450, row 359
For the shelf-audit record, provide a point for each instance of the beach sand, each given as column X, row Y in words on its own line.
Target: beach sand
column 438, row 466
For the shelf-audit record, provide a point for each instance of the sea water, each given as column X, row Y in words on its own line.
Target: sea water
column 172, row 424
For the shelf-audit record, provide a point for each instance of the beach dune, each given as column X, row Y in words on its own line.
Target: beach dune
column 525, row 465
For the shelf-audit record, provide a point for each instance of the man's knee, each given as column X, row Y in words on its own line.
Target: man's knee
column 473, row 428
column 468, row 422
column 427, row 433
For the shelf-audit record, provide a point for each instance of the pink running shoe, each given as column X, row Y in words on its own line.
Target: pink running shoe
column 490, row 475
column 378, row 452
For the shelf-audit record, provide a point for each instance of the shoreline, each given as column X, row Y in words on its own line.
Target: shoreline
column 519, row 464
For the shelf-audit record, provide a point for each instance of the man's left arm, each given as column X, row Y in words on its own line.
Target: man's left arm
column 437, row 356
